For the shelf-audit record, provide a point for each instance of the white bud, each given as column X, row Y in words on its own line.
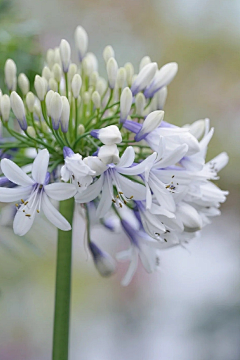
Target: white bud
column 104, row 263
column 5, row 106
column 121, row 77
column 152, row 121
column 23, row 83
column 161, row 96
column 30, row 101
column 71, row 72
column 40, row 87
column 31, row 131
column 48, row 99
column 37, row 110
column 96, row 99
column 129, row 72
column 18, row 109
column 140, row 103
column 81, row 129
column 76, row 85
column 86, row 97
column 93, row 61
column 108, row 52
column 101, row 86
column 112, row 69
column 110, row 135
column 109, row 154
column 56, row 110
column 10, row 71
column 189, row 216
column 125, row 103
column 50, row 58
column 145, row 61
column 46, row 73
column 81, row 41
column 144, row 78
column 65, row 114
column 162, row 78
column 53, row 85
column 94, row 78
column 57, row 72
column 57, row 56
column 65, row 53
column 197, row 128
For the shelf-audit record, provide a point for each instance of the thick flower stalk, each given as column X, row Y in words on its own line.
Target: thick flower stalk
column 108, row 144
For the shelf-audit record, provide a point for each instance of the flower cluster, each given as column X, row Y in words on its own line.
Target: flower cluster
column 106, row 144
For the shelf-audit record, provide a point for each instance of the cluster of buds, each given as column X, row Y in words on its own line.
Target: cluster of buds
column 106, row 143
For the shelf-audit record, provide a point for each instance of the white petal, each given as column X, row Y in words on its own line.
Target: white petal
column 15, row 174
column 127, row 157
column 173, row 157
column 92, row 191
column 140, row 168
column 60, row 191
column 65, row 173
column 131, row 188
column 18, row 193
column 124, row 255
column 106, row 200
column 53, row 215
column 163, row 196
column 23, row 223
column 131, row 270
column 40, row 166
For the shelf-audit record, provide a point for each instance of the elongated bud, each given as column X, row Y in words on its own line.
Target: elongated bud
column 40, row 85
column 5, row 107
column 31, row 131
column 89, row 64
column 109, row 154
column 189, row 216
column 65, row 54
column 152, row 121
column 145, row 61
column 112, row 69
column 101, row 86
column 57, row 56
column 125, row 103
column 37, row 110
column 104, row 263
column 161, row 96
column 46, row 73
column 76, row 85
column 18, row 109
column 121, row 77
column 162, row 78
column 197, row 128
column 129, row 72
column 23, row 83
column 30, row 101
column 50, row 58
column 81, row 129
column 81, row 42
column 10, row 71
column 96, row 99
column 144, row 78
column 48, row 99
column 94, row 78
column 140, row 103
column 56, row 110
column 53, row 85
column 65, row 114
column 71, row 72
column 108, row 135
column 108, row 52
column 57, row 72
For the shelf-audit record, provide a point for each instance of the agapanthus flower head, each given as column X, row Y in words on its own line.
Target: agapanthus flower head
column 107, row 142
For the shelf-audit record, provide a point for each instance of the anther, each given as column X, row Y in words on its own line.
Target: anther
column 114, row 201
column 26, row 202
column 22, row 201
column 28, row 215
column 120, row 205
column 38, row 211
column 16, row 205
column 165, row 240
column 131, row 197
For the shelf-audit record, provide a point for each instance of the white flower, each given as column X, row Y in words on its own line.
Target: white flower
column 144, row 77
column 126, row 189
column 81, row 41
column 23, row 83
column 33, row 194
column 109, row 135
column 10, row 71
column 152, row 121
column 112, row 70
column 109, row 154
column 76, row 170
column 65, row 54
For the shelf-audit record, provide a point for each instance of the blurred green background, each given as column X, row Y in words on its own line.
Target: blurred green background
column 190, row 309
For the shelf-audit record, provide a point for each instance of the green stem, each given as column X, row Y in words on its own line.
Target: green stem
column 63, row 286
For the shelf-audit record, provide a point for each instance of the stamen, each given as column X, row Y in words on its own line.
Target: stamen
column 22, row 201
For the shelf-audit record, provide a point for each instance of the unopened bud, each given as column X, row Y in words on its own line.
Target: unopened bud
column 101, row 86
column 76, row 85
column 57, row 56
column 81, row 41
column 30, row 101
column 18, row 109
column 53, row 85
column 129, row 72
column 109, row 154
column 108, row 135
column 37, row 110
column 65, row 53
column 50, row 58
column 10, row 71
column 108, row 52
column 81, row 129
column 152, row 121
column 5, row 106
column 57, row 72
column 104, row 263
column 65, row 114
column 56, row 110
column 96, row 99
column 144, row 78
column 31, row 131
column 197, row 128
column 71, row 72
column 161, row 96
column 86, row 97
column 46, row 73
column 125, row 103
column 48, row 99
column 94, row 78
column 145, row 61
column 140, row 103
column 23, row 83
column 112, row 69
column 40, row 85
column 121, row 77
